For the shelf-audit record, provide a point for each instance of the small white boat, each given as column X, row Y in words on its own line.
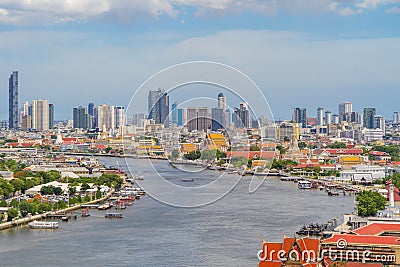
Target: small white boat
column 304, row 185
column 43, row 225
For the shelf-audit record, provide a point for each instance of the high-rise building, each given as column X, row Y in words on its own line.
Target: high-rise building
column 396, row 118
column 90, row 109
column 335, row 119
column 320, row 116
column 221, row 101
column 51, row 116
column 81, row 118
column 369, row 118
column 40, row 115
column 13, row 100
column 105, row 117
column 158, row 107
column 218, row 119
column 138, row 119
column 379, row 123
column 328, row 117
column 197, row 119
column 344, row 108
column 300, row 116
column 174, row 113
column 25, row 108
column 242, row 116
column 119, row 117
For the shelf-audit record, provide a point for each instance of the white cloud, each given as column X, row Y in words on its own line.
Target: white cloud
column 124, row 11
column 393, row 10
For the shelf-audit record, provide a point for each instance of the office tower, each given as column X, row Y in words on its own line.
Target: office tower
column 137, row 119
column 369, row 114
column 174, row 113
column 300, row 116
column 81, row 118
column 158, row 107
column 335, row 119
column 328, row 117
column 13, row 101
column 218, row 118
column 320, row 116
column 182, row 116
column 379, row 123
column 396, row 118
column 26, row 122
column 221, row 101
column 197, row 119
column 40, row 115
column 119, row 117
column 242, row 116
column 25, row 108
column 105, row 117
column 51, row 116
column 344, row 108
column 90, row 109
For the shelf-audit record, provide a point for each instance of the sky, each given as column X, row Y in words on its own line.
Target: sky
column 301, row 53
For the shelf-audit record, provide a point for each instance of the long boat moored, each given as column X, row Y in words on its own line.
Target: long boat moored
column 113, row 215
column 43, row 225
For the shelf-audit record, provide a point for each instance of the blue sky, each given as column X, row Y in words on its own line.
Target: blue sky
column 305, row 53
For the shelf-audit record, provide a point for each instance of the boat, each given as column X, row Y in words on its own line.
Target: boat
column 333, row 193
column 140, row 177
column 43, row 225
column 304, row 185
column 187, row 180
column 85, row 212
column 113, row 215
column 64, row 218
column 105, row 206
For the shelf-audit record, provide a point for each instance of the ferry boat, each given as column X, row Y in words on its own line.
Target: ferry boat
column 113, row 215
column 43, row 225
column 304, row 185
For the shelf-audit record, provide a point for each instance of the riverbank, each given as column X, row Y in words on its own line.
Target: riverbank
column 37, row 217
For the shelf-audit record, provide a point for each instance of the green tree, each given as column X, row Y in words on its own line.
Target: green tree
column 3, row 203
column 14, row 203
column 302, row 145
column 369, row 202
column 84, row 187
column 193, row 155
column 12, row 213
column 174, row 154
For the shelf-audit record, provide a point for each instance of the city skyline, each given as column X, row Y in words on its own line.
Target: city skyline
column 296, row 53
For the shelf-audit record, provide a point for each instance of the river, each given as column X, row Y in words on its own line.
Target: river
column 227, row 232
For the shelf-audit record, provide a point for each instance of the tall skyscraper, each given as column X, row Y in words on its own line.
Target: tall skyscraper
column 90, row 109
column 300, row 116
column 81, row 118
column 13, row 100
column 158, row 107
column 369, row 118
column 242, row 116
column 396, row 118
column 51, row 116
column 218, row 119
column 40, row 115
column 328, row 117
column 174, row 113
column 221, row 101
column 379, row 123
column 197, row 119
column 106, row 117
column 320, row 116
column 119, row 117
column 344, row 108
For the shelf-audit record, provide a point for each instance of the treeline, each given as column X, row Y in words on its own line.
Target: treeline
column 25, row 180
column 110, row 180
